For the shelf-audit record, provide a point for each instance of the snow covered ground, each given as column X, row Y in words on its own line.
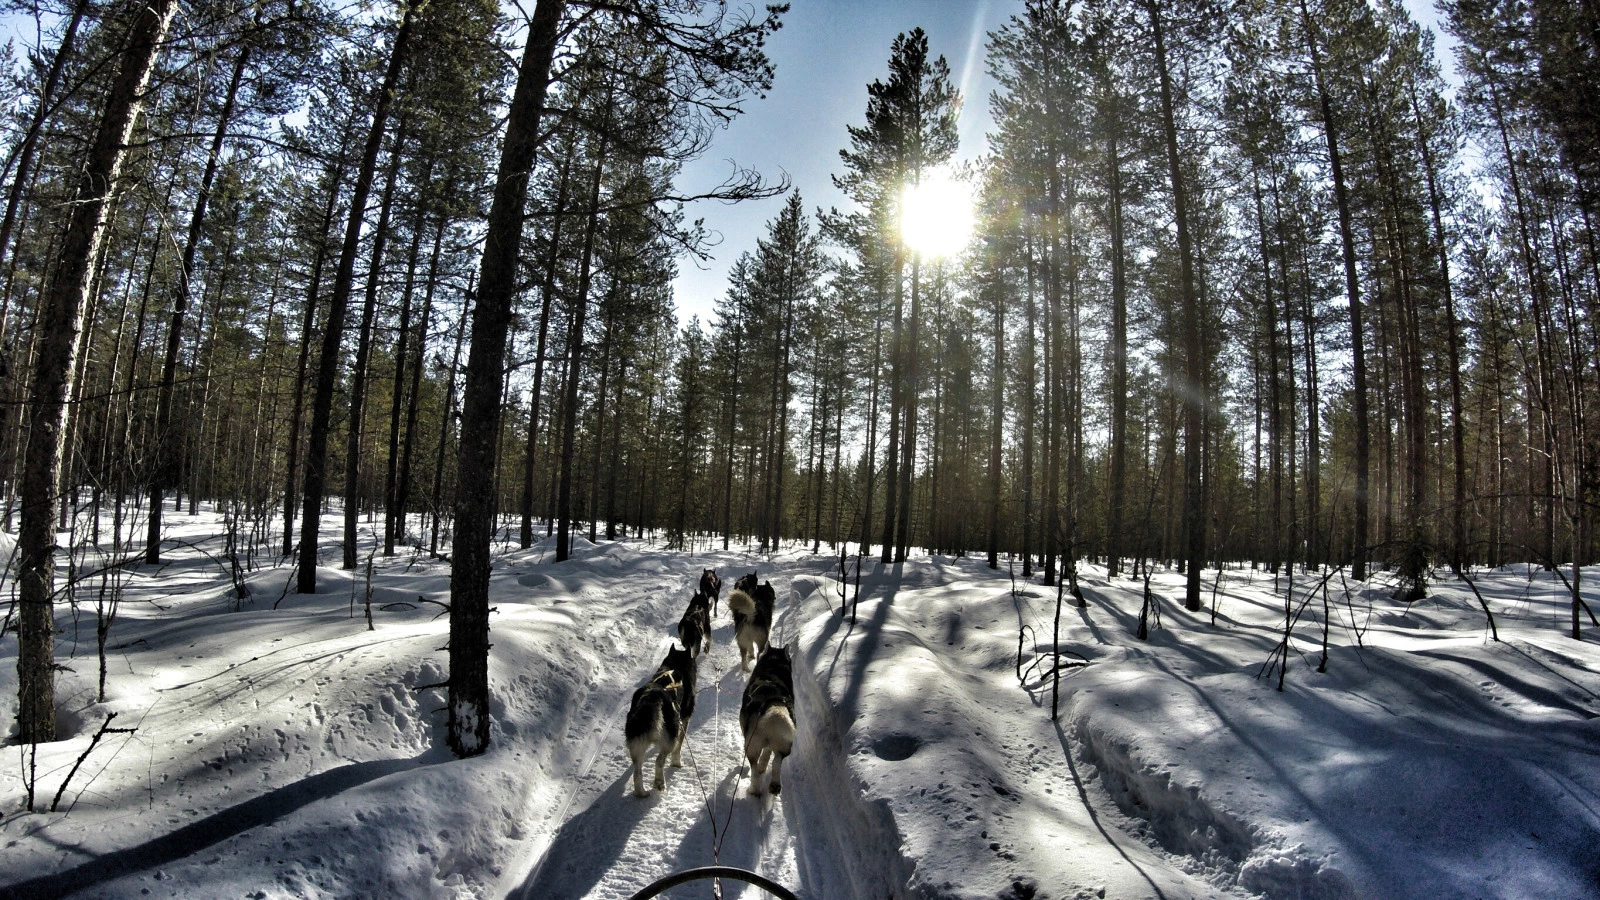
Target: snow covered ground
column 283, row 750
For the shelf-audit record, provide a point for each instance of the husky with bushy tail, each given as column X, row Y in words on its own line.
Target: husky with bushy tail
column 766, row 716
column 659, row 717
column 751, row 605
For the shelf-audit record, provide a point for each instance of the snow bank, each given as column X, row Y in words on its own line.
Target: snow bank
column 1426, row 762
column 290, row 752
column 958, row 769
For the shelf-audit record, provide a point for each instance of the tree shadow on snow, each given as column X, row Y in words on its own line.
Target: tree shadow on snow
column 740, row 825
column 871, row 636
column 215, row 828
column 589, row 844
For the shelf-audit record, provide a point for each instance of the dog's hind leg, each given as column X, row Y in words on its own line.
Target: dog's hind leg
column 638, row 765
column 677, row 749
column 777, row 772
column 661, row 765
column 751, row 753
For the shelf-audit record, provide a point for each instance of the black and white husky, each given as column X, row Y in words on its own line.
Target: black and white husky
column 659, row 716
column 766, row 715
column 711, row 586
column 694, row 629
column 752, row 617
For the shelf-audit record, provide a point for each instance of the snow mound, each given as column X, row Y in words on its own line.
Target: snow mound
column 1290, row 872
column 1176, row 815
column 962, row 786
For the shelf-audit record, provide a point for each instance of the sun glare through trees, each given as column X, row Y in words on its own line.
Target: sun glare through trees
column 1263, row 333
column 936, row 217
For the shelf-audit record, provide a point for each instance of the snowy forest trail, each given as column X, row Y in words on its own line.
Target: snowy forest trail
column 599, row 840
column 284, row 750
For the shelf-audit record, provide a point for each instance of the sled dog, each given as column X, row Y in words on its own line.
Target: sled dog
column 711, row 586
column 694, row 629
column 746, row 583
column 752, row 619
column 766, row 715
column 741, row 600
column 659, row 717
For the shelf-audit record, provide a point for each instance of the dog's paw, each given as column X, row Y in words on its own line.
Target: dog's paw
column 776, row 789
column 755, row 789
column 661, row 784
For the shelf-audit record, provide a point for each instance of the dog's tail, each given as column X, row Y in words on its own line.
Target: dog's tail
column 741, row 602
column 774, row 730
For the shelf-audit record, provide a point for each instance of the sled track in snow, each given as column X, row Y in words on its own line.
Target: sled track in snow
column 818, row 838
column 603, row 842
column 591, row 754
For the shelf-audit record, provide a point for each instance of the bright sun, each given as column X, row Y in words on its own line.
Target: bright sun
column 936, row 215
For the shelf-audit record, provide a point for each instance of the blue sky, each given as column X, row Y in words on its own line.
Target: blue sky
column 826, row 53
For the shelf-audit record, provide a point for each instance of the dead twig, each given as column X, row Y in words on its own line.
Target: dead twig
column 105, row 729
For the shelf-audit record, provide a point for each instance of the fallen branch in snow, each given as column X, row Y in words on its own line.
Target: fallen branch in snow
column 1021, row 633
column 105, row 729
column 1493, row 631
column 444, row 607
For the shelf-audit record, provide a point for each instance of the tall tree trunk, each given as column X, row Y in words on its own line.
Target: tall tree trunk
column 165, row 458
column 784, row 392
column 1029, row 414
column 616, row 457
column 1358, row 354
column 891, row 456
column 1194, row 514
column 536, row 394
column 606, row 345
column 1458, row 527
column 997, row 429
column 872, row 422
column 61, row 322
column 909, row 389
column 1119, row 363
column 333, row 334
column 308, row 324
column 733, row 423
column 1537, row 289
column 569, row 410
column 397, row 395
column 413, row 403
column 1275, row 555
column 358, row 375
column 480, row 414
column 447, row 414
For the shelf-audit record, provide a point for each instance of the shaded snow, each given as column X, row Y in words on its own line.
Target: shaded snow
column 290, row 752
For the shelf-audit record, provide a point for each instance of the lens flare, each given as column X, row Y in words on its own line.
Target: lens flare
column 936, row 215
